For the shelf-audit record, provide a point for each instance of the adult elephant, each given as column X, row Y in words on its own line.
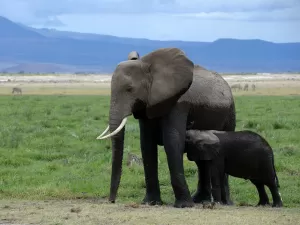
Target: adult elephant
column 165, row 92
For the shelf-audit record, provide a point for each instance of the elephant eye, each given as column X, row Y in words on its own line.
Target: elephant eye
column 129, row 89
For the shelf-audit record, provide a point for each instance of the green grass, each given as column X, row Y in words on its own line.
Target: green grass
column 48, row 149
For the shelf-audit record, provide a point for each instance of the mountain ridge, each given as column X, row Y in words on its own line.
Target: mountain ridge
column 25, row 46
column 10, row 29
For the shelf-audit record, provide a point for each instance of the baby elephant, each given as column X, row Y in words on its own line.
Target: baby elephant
column 242, row 154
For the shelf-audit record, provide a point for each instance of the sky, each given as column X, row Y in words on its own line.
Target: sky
column 189, row 20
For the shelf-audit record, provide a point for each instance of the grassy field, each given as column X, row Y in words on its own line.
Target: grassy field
column 48, row 151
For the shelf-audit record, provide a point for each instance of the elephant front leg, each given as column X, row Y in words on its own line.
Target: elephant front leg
column 148, row 129
column 174, row 126
column 203, row 193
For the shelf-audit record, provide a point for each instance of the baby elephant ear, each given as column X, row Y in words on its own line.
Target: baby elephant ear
column 207, row 137
column 134, row 55
column 171, row 73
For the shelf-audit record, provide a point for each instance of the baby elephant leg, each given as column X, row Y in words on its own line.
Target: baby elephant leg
column 273, row 184
column 203, row 193
column 219, row 178
column 226, row 192
column 263, row 197
column 277, row 201
column 216, row 184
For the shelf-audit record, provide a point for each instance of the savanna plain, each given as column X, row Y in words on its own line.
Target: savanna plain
column 54, row 171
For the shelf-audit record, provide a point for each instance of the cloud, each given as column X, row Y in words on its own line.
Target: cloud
column 53, row 22
column 275, row 20
column 28, row 13
column 162, row 26
column 28, row 9
column 233, row 5
column 288, row 14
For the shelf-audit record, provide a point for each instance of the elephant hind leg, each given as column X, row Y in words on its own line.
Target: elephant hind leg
column 277, row 201
column 263, row 197
column 225, row 190
column 271, row 180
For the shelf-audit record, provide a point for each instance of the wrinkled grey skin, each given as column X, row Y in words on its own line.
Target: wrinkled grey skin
column 164, row 92
column 242, row 154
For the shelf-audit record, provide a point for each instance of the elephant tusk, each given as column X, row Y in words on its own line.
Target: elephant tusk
column 115, row 131
column 104, row 132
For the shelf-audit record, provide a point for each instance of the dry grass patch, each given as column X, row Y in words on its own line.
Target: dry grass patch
column 97, row 212
column 273, row 84
column 67, row 89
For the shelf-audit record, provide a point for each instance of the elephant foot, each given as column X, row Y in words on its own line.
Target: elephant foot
column 277, row 205
column 184, row 204
column 262, row 203
column 228, row 202
column 209, row 205
column 199, row 198
column 152, row 200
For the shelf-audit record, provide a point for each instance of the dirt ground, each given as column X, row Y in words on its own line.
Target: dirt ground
column 266, row 84
column 98, row 212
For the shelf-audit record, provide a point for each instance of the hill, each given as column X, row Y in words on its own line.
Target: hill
column 10, row 29
column 109, row 38
column 22, row 46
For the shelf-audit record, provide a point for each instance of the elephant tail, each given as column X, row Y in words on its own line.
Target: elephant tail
column 276, row 178
column 277, row 181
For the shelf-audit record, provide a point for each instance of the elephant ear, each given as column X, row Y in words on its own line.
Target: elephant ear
column 171, row 75
column 206, row 143
column 134, row 55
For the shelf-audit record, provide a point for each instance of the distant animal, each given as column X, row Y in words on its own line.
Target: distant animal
column 133, row 158
column 16, row 90
column 246, row 87
column 253, row 87
column 244, row 154
column 235, row 87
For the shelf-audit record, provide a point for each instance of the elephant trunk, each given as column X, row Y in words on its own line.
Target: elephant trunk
column 117, row 158
column 117, row 152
